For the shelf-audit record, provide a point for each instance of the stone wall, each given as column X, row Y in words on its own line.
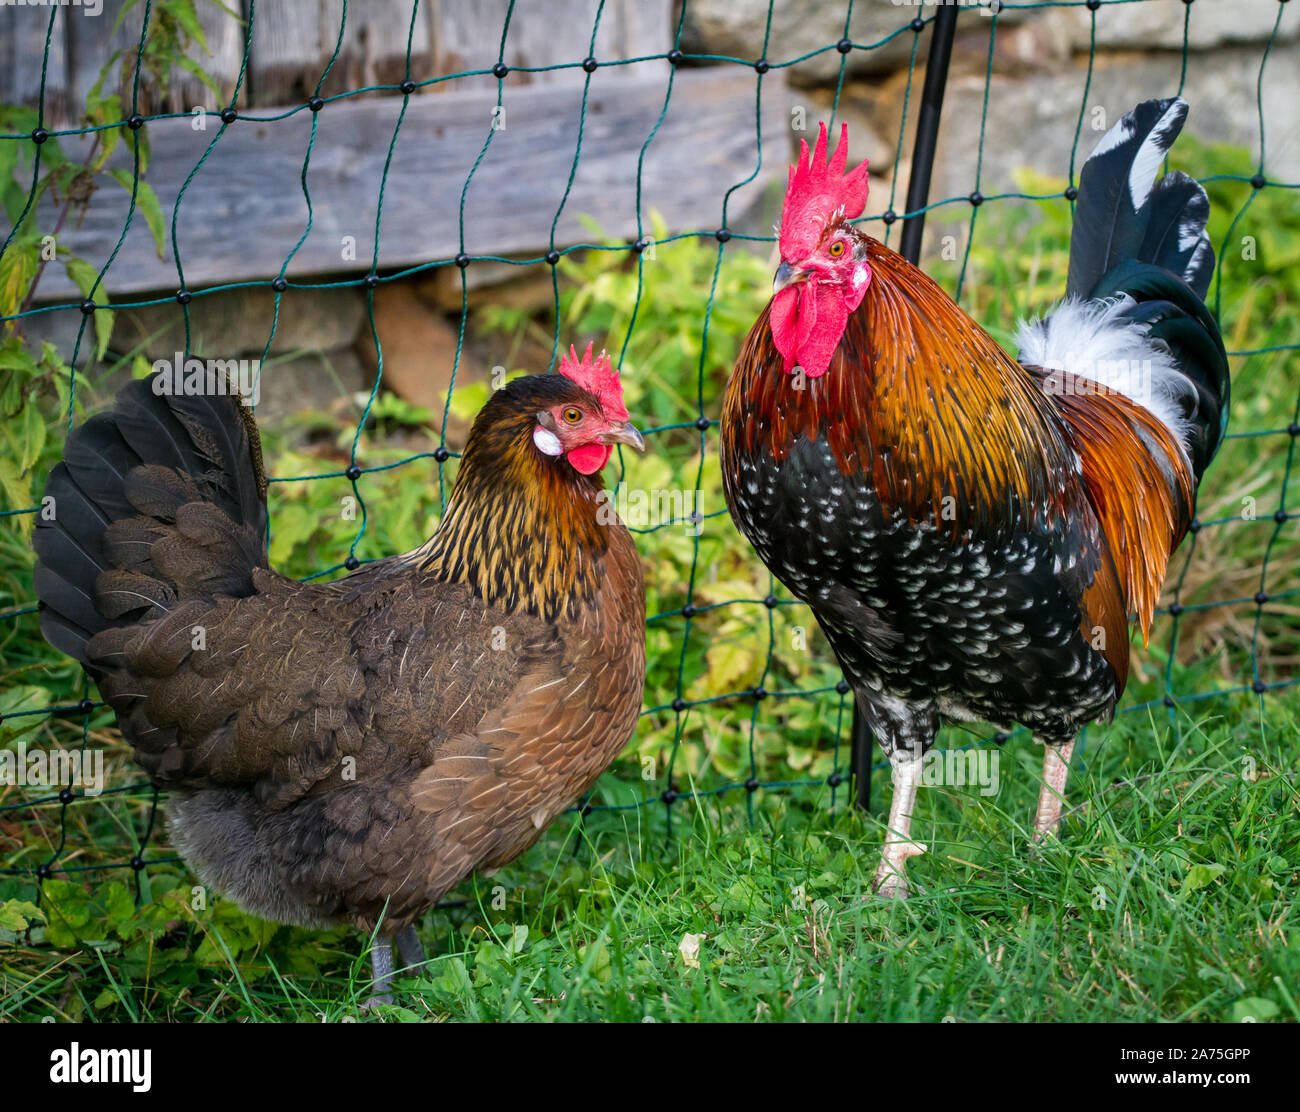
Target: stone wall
column 1040, row 68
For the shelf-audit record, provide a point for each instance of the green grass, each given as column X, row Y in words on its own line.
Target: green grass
column 1170, row 896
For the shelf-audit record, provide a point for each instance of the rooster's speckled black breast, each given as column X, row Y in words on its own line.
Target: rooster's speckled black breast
column 926, row 626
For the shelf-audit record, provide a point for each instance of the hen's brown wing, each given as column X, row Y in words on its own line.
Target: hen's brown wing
column 481, row 728
column 303, row 687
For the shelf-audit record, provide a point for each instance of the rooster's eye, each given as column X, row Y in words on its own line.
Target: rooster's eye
column 837, row 248
column 573, row 415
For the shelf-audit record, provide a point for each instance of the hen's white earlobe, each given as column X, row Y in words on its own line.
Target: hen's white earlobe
column 547, row 442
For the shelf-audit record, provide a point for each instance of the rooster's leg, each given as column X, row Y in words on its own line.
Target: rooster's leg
column 1056, row 767
column 409, row 949
column 891, row 878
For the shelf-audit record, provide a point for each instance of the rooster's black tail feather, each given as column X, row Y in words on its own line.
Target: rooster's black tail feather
column 1123, row 213
column 1146, row 240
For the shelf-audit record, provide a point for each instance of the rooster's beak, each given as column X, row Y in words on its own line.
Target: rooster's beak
column 622, row 433
column 787, row 275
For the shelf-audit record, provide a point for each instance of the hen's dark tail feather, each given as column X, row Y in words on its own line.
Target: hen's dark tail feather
column 162, row 498
column 1147, row 239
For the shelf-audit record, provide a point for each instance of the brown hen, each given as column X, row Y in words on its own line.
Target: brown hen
column 348, row 752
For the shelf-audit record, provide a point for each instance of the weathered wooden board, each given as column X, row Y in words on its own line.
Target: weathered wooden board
column 225, row 37
column 85, row 39
column 245, row 210
column 293, row 43
column 467, row 36
column 22, row 53
column 92, row 42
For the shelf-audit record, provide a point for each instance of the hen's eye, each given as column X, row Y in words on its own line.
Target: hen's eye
column 573, row 415
column 837, row 248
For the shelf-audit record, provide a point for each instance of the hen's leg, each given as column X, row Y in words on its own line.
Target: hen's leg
column 409, row 949
column 1056, row 767
column 381, row 965
column 891, row 877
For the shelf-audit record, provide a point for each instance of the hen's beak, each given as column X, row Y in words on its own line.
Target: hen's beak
column 622, row 433
column 787, row 275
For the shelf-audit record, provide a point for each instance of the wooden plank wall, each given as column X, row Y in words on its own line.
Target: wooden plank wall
column 245, row 209
column 81, row 44
column 293, row 41
column 545, row 33
column 22, row 55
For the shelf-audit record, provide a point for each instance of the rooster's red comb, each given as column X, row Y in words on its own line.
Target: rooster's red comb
column 818, row 188
column 598, row 377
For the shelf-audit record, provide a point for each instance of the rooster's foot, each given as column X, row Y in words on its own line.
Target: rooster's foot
column 891, row 875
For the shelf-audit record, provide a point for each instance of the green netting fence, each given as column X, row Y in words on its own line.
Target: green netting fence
column 921, row 30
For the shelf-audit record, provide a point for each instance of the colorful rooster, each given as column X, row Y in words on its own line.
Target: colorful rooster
column 974, row 532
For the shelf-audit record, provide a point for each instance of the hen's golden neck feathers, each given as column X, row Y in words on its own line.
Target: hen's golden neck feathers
column 524, row 530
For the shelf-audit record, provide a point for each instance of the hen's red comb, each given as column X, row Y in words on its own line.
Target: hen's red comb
column 598, row 377
column 817, row 188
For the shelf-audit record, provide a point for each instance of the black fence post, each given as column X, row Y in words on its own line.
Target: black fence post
column 927, row 129
column 918, row 193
